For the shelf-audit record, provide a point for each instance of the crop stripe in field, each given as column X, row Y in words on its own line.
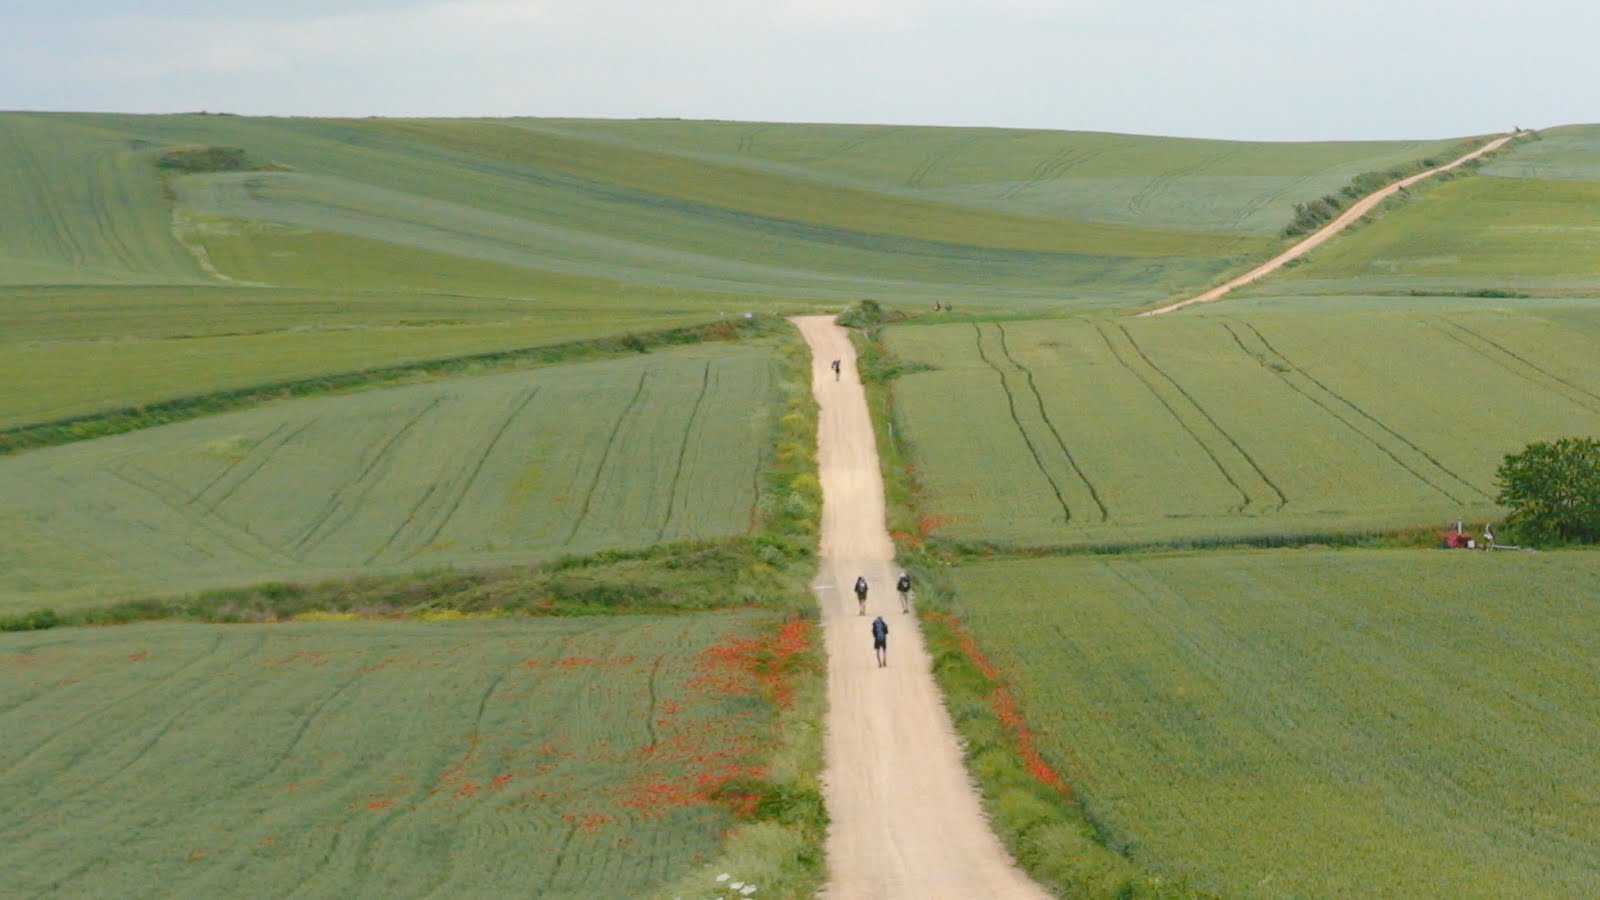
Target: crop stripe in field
column 1588, row 400
column 340, row 498
column 465, row 484
column 34, row 179
column 683, row 450
column 605, row 457
column 1261, row 358
column 1011, row 404
column 1045, row 415
column 1183, row 422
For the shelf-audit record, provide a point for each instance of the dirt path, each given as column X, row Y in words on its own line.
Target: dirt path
column 1345, row 219
column 906, row 822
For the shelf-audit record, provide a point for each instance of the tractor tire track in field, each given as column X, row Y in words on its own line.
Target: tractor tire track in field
column 306, row 722
column 605, row 457
column 14, row 819
column 1011, row 404
column 33, row 179
column 259, row 463
column 1158, row 185
column 747, row 141
column 239, row 537
column 655, row 700
column 1045, row 416
column 920, row 173
column 683, row 451
column 1519, row 365
column 1187, row 400
column 481, row 456
column 1049, row 170
column 363, row 484
column 1324, row 397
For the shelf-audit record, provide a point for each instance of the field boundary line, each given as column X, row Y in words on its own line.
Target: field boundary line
column 1345, row 219
column 1011, row 404
column 1045, row 415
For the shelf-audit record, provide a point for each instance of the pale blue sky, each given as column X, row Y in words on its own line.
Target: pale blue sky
column 1281, row 70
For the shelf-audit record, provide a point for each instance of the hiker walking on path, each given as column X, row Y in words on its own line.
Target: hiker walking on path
column 836, row 370
column 861, row 593
column 880, row 640
column 904, row 587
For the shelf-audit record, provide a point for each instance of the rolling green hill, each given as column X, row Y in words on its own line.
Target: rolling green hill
column 1527, row 223
column 330, row 245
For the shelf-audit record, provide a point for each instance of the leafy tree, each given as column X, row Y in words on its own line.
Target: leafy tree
column 1553, row 490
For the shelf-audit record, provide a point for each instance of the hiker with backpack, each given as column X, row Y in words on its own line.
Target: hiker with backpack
column 904, row 587
column 861, row 593
column 880, row 640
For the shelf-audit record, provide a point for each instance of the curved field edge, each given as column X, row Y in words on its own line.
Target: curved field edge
column 119, row 421
column 256, row 749
column 1428, row 712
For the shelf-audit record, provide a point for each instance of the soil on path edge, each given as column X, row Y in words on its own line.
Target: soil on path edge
column 905, row 818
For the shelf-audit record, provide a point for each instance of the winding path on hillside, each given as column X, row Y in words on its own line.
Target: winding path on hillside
column 906, row 820
column 1345, row 220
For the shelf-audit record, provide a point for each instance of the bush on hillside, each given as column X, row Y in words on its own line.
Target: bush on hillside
column 1553, row 490
column 192, row 160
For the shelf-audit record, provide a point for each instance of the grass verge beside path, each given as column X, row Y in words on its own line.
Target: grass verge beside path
column 1031, row 808
column 79, row 428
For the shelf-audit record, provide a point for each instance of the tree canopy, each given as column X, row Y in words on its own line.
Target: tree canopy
column 1553, row 490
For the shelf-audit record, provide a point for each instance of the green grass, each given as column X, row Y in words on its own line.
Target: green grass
column 474, row 471
column 1263, row 422
column 70, row 353
column 1527, row 223
column 1315, row 723
column 563, row 757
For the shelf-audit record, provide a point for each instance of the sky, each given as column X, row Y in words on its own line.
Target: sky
column 1239, row 69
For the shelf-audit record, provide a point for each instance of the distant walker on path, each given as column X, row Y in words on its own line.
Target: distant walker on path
column 861, row 593
column 880, row 640
column 904, row 587
column 836, row 370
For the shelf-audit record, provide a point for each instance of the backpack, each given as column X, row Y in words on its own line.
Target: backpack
column 861, row 585
column 904, row 584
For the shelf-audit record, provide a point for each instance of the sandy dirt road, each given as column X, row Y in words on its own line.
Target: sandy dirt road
column 906, row 821
column 1345, row 220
